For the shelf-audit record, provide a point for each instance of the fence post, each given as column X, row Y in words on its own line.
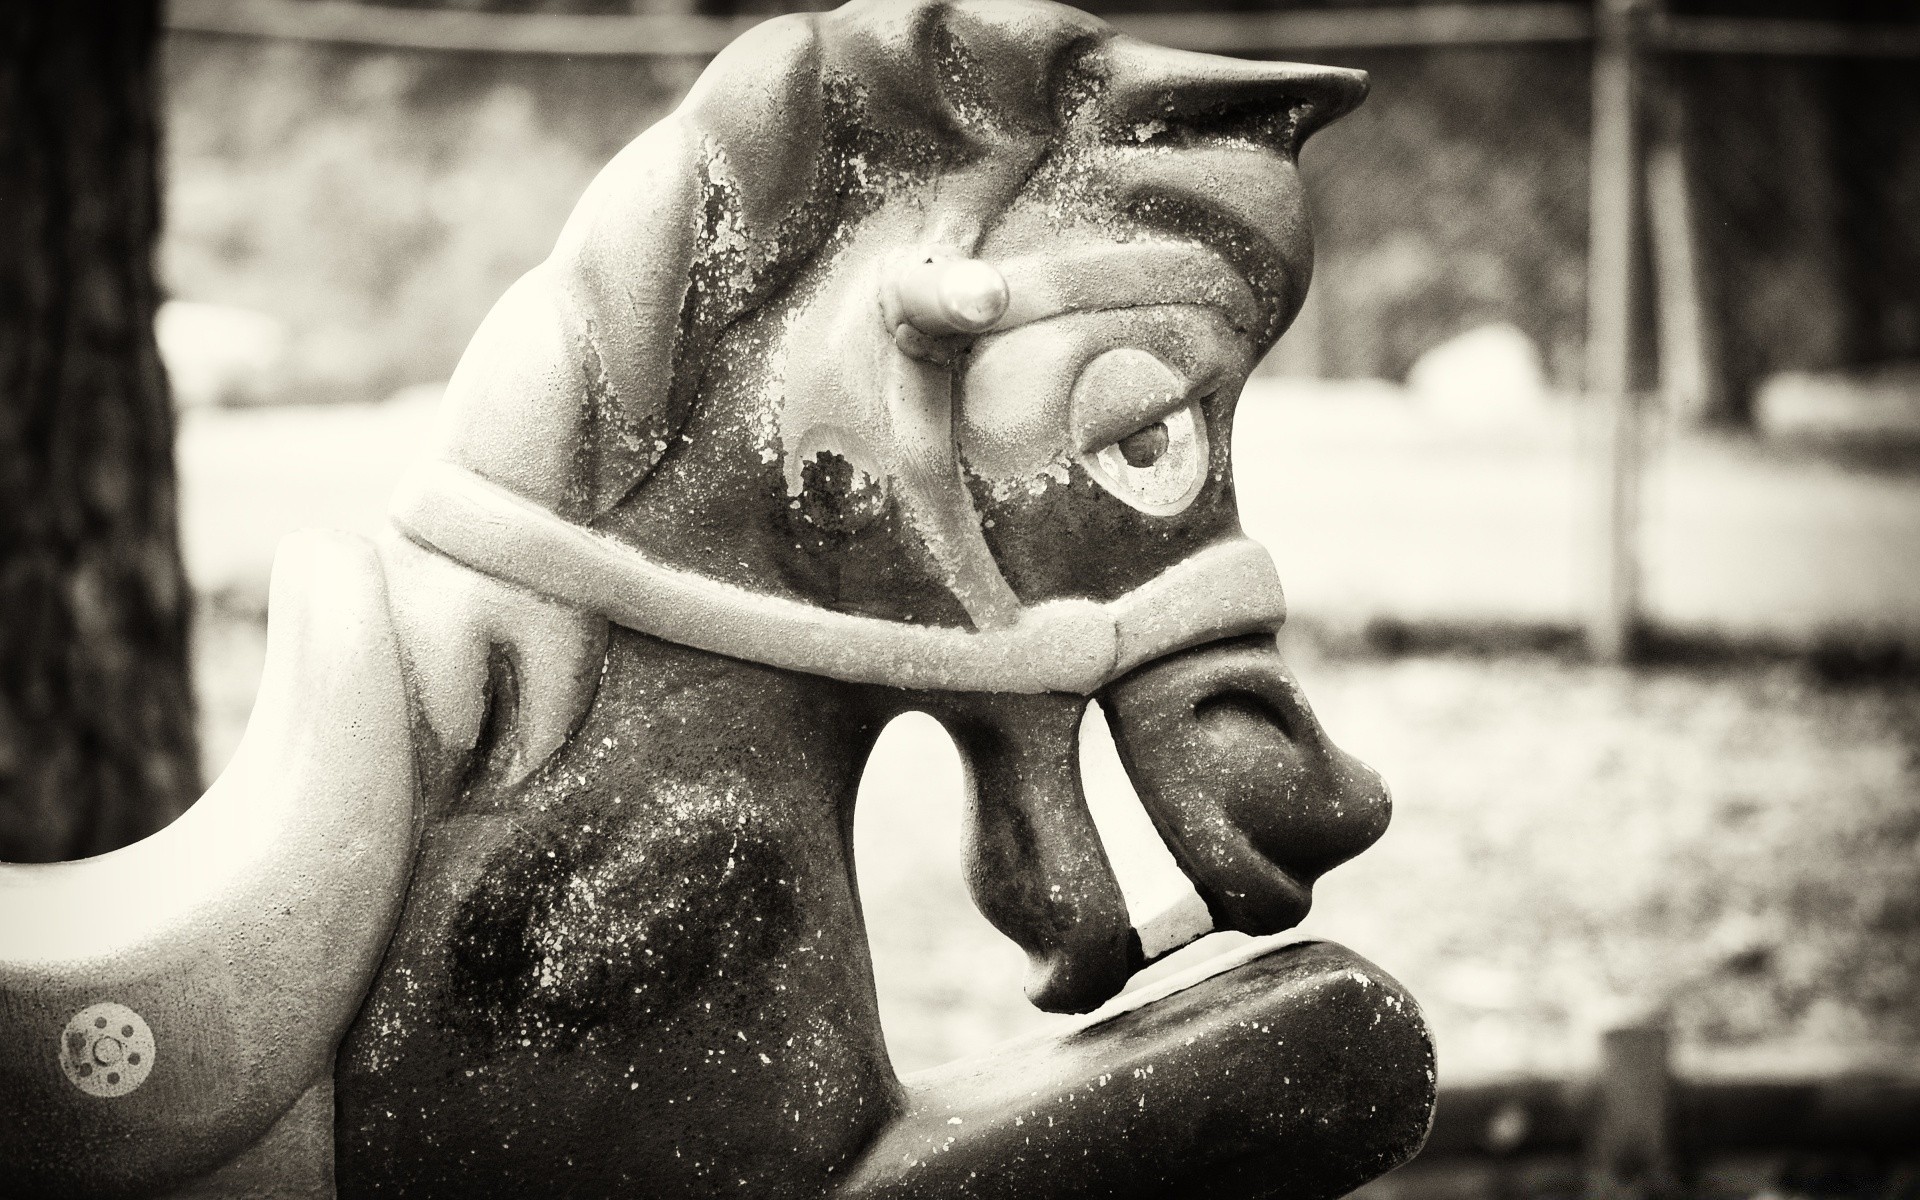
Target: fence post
column 1692, row 372
column 1614, row 287
column 1630, row 1152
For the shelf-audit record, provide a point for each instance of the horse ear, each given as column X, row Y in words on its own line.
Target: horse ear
column 1206, row 148
column 1207, row 93
column 584, row 372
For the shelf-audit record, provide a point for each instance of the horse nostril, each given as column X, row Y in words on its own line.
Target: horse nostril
column 1253, row 799
column 1224, row 711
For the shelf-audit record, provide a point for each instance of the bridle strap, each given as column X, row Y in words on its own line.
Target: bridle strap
column 1074, row 645
column 1120, row 275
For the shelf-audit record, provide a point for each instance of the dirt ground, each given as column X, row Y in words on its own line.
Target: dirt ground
column 1735, row 843
column 1572, row 846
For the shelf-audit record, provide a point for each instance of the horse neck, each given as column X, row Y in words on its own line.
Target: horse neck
column 674, row 725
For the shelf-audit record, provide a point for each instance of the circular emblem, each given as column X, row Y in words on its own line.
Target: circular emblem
column 106, row 1050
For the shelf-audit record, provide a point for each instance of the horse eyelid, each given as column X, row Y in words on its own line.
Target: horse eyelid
column 1099, row 438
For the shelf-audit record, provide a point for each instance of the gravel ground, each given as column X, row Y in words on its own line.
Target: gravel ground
column 1572, row 845
column 1736, row 845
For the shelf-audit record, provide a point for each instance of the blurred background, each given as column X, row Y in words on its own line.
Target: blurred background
column 1592, row 468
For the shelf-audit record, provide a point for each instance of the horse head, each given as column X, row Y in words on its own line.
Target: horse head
column 956, row 317
column 895, row 370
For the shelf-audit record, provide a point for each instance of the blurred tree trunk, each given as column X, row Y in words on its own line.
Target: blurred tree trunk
column 96, row 718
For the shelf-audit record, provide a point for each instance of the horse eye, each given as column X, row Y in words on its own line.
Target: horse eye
column 1143, row 447
column 1158, row 468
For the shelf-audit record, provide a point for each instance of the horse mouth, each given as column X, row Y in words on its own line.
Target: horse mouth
column 1250, row 795
column 1238, row 780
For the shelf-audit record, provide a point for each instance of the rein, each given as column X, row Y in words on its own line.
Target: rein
column 1075, row 645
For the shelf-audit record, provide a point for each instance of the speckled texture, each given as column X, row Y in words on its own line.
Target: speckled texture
column 644, row 969
column 1309, row 1049
column 810, row 153
column 660, row 936
column 631, row 959
column 1252, row 797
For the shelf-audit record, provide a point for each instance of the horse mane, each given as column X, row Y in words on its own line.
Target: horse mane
column 593, row 362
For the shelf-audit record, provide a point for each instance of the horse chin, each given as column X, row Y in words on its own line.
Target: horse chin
column 1251, row 796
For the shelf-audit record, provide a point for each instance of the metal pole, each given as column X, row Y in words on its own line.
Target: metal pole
column 1613, row 295
column 1692, row 380
column 1630, row 1148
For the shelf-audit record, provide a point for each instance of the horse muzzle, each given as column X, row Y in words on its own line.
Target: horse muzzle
column 1242, row 782
column 1238, row 777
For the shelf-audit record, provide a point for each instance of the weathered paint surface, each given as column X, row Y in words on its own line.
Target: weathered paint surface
column 644, row 969
column 895, row 370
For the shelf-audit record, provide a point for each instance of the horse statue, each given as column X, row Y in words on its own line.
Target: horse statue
column 894, row 370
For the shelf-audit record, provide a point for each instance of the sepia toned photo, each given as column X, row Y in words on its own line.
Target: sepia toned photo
column 1156, row 600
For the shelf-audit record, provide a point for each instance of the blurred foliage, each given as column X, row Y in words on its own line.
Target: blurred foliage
column 379, row 201
column 1455, row 197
